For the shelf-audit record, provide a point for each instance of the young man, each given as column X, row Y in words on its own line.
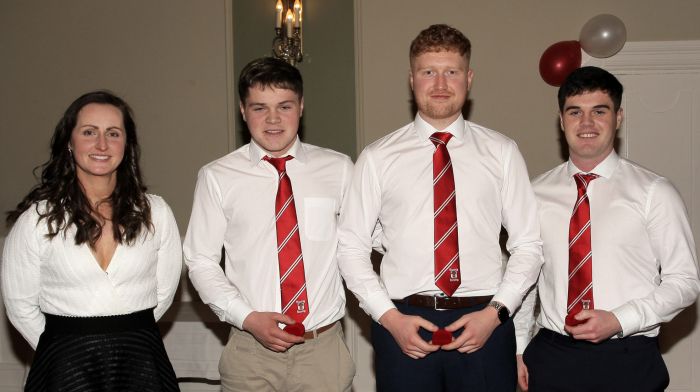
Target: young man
column 440, row 189
column 619, row 257
column 273, row 206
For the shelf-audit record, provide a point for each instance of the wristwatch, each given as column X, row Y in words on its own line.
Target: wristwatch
column 503, row 313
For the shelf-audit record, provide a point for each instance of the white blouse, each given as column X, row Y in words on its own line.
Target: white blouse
column 56, row 276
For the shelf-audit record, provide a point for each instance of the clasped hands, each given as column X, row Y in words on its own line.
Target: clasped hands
column 478, row 327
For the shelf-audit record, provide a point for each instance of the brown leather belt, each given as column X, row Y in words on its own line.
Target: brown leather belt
column 314, row 334
column 444, row 303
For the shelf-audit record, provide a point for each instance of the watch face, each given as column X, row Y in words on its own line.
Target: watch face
column 503, row 314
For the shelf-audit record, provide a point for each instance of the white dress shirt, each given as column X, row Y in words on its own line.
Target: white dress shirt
column 60, row 278
column 393, row 184
column 234, row 206
column 644, row 263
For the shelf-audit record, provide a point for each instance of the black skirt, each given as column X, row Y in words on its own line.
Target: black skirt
column 113, row 353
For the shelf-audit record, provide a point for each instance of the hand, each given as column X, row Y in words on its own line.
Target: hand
column 598, row 325
column 263, row 326
column 523, row 376
column 478, row 327
column 404, row 329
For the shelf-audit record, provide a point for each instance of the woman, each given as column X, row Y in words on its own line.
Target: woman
column 92, row 260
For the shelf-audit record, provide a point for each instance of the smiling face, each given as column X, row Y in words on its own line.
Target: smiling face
column 589, row 123
column 97, row 142
column 272, row 115
column 440, row 82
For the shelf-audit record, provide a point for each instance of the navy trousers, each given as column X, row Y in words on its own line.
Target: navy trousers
column 557, row 362
column 491, row 368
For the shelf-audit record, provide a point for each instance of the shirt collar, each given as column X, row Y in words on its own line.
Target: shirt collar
column 603, row 169
column 257, row 153
column 425, row 130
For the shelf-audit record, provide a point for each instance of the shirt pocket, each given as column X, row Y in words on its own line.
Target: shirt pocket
column 319, row 218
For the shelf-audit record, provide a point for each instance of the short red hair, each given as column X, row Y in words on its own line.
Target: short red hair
column 439, row 38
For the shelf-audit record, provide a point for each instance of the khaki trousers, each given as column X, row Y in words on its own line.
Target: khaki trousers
column 320, row 364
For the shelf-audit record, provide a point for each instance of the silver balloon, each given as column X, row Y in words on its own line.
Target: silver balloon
column 603, row 35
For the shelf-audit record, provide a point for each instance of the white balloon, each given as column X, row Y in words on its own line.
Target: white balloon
column 603, row 35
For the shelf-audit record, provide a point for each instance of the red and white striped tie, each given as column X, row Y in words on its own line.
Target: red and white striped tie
column 580, row 294
column 446, row 249
column 291, row 263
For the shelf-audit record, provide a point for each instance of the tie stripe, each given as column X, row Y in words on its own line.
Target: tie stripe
column 442, row 207
column 437, row 138
column 302, row 290
column 289, row 236
column 448, row 166
column 291, row 268
column 580, row 200
column 444, row 237
column 579, row 265
column 580, row 234
column 580, row 297
column 447, row 266
column 284, row 207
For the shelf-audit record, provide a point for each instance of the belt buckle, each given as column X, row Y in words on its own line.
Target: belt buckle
column 435, row 301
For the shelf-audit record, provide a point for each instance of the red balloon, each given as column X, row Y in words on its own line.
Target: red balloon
column 559, row 60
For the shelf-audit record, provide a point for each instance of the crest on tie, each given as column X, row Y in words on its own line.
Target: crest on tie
column 301, row 306
column 454, row 275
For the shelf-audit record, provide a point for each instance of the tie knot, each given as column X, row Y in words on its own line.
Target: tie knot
column 279, row 163
column 440, row 138
column 582, row 180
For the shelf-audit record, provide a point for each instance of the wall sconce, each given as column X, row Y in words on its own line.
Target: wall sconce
column 287, row 44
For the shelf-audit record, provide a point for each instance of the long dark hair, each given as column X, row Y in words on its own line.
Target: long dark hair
column 66, row 203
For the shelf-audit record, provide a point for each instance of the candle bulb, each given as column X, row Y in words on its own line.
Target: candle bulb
column 297, row 13
column 278, row 17
column 290, row 22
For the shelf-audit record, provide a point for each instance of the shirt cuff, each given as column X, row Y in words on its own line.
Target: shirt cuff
column 628, row 318
column 508, row 298
column 521, row 343
column 237, row 312
column 376, row 307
